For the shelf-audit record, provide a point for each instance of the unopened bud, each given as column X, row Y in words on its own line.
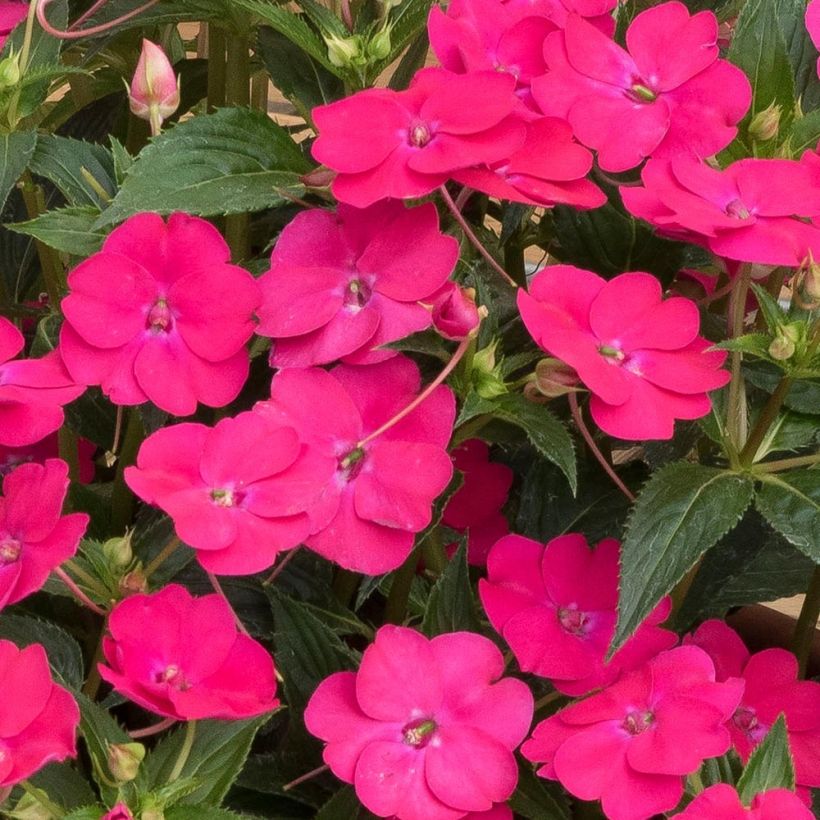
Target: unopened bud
column 554, row 378
column 455, row 315
column 320, row 178
column 486, row 375
column 807, row 290
column 380, row 44
column 343, row 51
column 118, row 551
column 29, row 808
column 124, row 760
column 152, row 813
column 765, row 124
column 133, row 583
column 154, row 91
column 119, row 812
column 9, row 71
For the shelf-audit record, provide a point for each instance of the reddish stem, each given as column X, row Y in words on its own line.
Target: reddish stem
column 87, row 32
column 77, row 592
column 219, row 591
column 153, row 730
column 282, row 564
column 305, row 777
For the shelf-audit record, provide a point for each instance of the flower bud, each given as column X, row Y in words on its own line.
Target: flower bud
column 124, row 760
column 118, row 551
column 133, row 583
column 119, row 812
column 152, row 813
column 553, row 378
column 9, row 71
column 807, row 285
column 343, row 51
column 319, row 178
column 486, row 375
column 380, row 44
column 154, row 91
column 29, row 808
column 766, row 124
column 455, row 315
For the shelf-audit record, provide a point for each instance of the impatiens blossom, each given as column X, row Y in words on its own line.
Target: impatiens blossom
column 549, row 168
column 32, row 391
column 119, row 812
column 475, row 508
column 160, row 315
column 667, row 94
column 480, row 35
column 38, row 719
column 426, row 729
column 11, row 457
column 722, row 802
column 405, row 144
column 597, row 12
column 813, row 25
column 772, row 687
column 12, row 12
column 237, row 493
column 454, row 312
column 556, row 607
column 154, row 91
column 341, row 285
column 631, row 745
column 641, row 357
column 183, row 657
column 35, row 537
column 745, row 212
column 382, row 491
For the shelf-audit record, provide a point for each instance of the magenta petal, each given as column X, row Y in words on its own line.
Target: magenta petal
column 592, row 760
column 574, row 573
column 597, row 56
column 27, row 688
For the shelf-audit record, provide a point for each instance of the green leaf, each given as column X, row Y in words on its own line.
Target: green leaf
column 791, row 15
column 774, row 315
column 805, row 133
column 217, row 755
column 202, row 812
column 303, row 80
column 412, row 61
column 16, row 150
column 790, row 502
column 755, row 344
column 535, row 799
column 64, row 654
column 233, row 161
column 69, row 230
column 770, row 765
column 64, row 785
column 451, row 606
column 803, row 396
column 69, row 164
column 343, row 804
column 681, row 512
column 545, row 432
column 407, row 21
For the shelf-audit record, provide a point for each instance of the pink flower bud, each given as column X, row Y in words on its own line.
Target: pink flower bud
column 455, row 315
column 553, row 378
column 154, row 92
column 119, row 812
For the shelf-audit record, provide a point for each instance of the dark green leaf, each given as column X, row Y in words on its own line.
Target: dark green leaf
column 756, row 344
column 69, row 230
column 770, row 766
column 411, row 62
column 545, row 432
column 537, row 799
column 791, row 504
column 64, row 785
column 343, row 804
column 451, row 606
column 232, row 161
column 16, row 150
column 791, row 15
column 219, row 751
column 202, row 812
column 681, row 512
column 64, row 654
column 774, row 315
column 803, row 396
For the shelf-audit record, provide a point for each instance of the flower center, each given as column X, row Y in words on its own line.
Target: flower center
column 613, row 354
column 225, row 498
column 737, row 210
column 357, row 295
column 10, row 549
column 573, row 620
column 637, row 722
column 172, row 675
column 419, row 732
column 351, row 464
column 641, row 93
column 420, row 135
column 746, row 720
column 159, row 317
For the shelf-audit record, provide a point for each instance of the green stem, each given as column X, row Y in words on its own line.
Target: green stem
column 396, row 608
column 216, row 66
column 345, row 585
column 735, row 422
column 50, row 264
column 38, row 794
column 68, row 448
column 547, row 700
column 787, row 464
column 93, row 681
column 163, row 555
column 122, row 499
column 764, row 421
column 89, row 580
column 25, row 51
column 433, row 553
column 806, row 629
column 184, row 752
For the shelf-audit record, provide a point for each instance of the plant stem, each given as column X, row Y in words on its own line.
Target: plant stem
column 93, row 681
column 50, row 264
column 590, row 441
column 546, row 700
column 433, row 553
column 184, row 752
column 77, row 592
column 736, row 413
column 787, row 463
column 25, row 51
column 122, row 500
column 67, row 447
column 473, row 239
column 148, row 731
column 806, row 628
column 765, row 420
column 42, row 798
column 219, row 591
column 162, row 556
column 396, row 607
column 304, row 778
column 89, row 580
column 216, row 67
column 345, row 585
column 280, row 566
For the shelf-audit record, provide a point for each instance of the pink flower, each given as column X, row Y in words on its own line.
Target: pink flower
column 237, row 492
column 631, row 744
column 160, row 315
column 154, row 91
column 382, row 491
column 772, row 688
column 487, row 35
column 550, row 168
column 38, row 719
column 639, row 356
column 426, row 729
column 745, row 212
column 119, row 812
column 12, row 12
column 35, row 537
column 11, row 457
column 405, row 144
column 501, row 811
column 668, row 94
column 342, row 285
column 722, row 802
column 454, row 312
column 597, row 12
column 556, row 607
column 32, row 391
column 475, row 508
column 157, row 658
column 813, row 25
